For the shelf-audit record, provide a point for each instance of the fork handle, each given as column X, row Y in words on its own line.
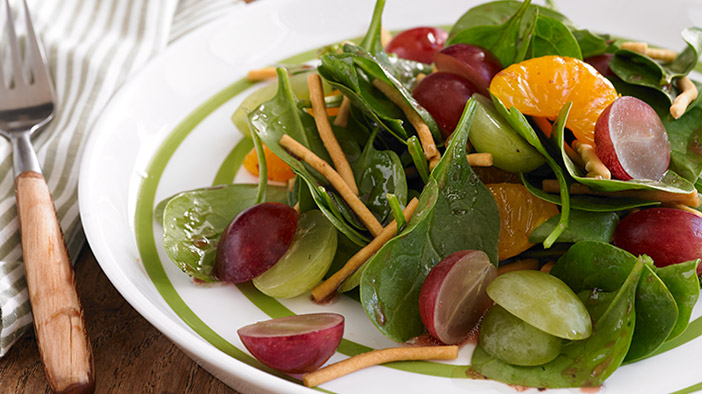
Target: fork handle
column 59, row 326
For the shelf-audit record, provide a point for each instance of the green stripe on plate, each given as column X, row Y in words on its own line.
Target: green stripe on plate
column 692, row 389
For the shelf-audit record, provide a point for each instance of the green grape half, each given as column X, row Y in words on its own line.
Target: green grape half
column 307, row 260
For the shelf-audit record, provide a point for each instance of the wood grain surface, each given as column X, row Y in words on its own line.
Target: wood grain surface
column 130, row 355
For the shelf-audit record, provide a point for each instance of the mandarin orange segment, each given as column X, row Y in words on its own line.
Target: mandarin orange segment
column 278, row 170
column 520, row 213
column 542, row 85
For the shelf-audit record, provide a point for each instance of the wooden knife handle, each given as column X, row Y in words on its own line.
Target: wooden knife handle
column 58, row 316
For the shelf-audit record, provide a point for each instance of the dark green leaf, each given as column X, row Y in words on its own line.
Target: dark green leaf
column 592, row 265
column 506, row 41
column 455, row 212
column 194, row 220
column 552, row 37
column 656, row 314
column 339, row 71
column 377, row 174
column 498, row 13
column 681, row 280
column 591, row 44
column 685, row 136
column 582, row 226
column 590, row 203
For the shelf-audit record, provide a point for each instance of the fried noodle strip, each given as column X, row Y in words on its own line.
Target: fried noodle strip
column 321, row 166
column 376, row 357
column 319, row 109
column 430, row 151
column 329, row 286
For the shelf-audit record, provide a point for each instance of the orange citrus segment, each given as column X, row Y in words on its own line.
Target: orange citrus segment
column 278, row 170
column 520, row 213
column 542, row 85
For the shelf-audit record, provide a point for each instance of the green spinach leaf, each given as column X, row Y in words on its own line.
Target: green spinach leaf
column 194, row 220
column 455, row 212
column 590, row 203
column 638, row 69
column 591, row 44
column 377, row 174
column 552, row 37
column 596, row 265
column 582, row 226
column 498, row 13
column 681, row 280
column 508, row 41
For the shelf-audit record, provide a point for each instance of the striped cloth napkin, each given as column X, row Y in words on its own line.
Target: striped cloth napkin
column 93, row 47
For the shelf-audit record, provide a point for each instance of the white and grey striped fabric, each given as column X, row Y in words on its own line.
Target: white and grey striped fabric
column 93, row 46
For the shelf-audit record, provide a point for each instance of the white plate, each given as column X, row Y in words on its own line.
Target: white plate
column 168, row 130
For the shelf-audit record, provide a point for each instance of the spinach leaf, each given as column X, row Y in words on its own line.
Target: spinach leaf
column 339, row 70
column 194, row 220
column 522, row 126
column 508, row 41
column 279, row 116
column 582, row 226
column 376, row 70
column 671, row 182
column 685, row 136
column 498, row 13
column 596, row 265
column 591, row 44
column 656, row 314
column 455, row 212
column 581, row 363
column 681, row 280
column 639, row 69
column 552, row 37
column 406, row 71
column 590, row 203
column 377, row 174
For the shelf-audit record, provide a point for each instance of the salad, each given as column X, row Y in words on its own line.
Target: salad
column 540, row 185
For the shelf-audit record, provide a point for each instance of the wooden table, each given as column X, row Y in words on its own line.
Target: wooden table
column 131, row 356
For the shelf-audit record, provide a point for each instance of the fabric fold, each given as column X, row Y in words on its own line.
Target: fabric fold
column 93, row 48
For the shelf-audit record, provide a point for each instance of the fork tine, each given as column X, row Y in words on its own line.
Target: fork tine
column 39, row 65
column 14, row 50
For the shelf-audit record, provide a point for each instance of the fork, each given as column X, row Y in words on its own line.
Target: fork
column 26, row 106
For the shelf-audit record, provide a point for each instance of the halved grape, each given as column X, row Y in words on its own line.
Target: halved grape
column 294, row 344
column 254, row 241
column 631, row 140
column 543, row 301
column 418, row 44
column 453, row 297
column 516, row 342
column 469, row 61
column 307, row 260
column 444, row 95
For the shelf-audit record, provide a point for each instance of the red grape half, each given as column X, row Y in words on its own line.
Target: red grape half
column 418, row 44
column 631, row 140
column 254, row 241
column 294, row 344
column 453, row 296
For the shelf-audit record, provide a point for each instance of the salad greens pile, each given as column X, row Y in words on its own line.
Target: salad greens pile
column 635, row 307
